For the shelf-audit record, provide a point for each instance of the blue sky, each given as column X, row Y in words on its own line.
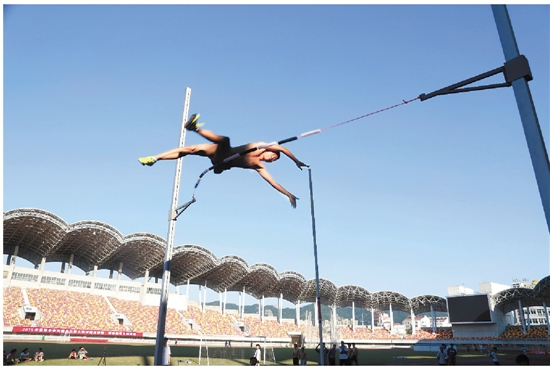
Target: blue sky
column 413, row 200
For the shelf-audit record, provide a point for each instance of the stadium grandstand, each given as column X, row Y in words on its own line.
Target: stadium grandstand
column 39, row 303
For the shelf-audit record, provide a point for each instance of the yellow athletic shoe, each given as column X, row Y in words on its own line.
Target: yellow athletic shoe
column 191, row 124
column 149, row 160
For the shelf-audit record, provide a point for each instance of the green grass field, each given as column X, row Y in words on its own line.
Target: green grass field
column 132, row 354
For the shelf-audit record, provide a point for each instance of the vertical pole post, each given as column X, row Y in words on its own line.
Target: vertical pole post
column 434, row 320
column 522, row 317
column 14, row 257
column 353, row 315
column 224, row 301
column 244, row 293
column 200, row 348
column 391, row 319
column 240, row 304
column 335, row 324
column 413, row 322
column 322, row 348
column 71, row 260
column 546, row 316
column 528, row 309
column 280, row 312
column 161, row 325
column 263, row 307
column 526, row 107
column 298, row 313
column 204, row 297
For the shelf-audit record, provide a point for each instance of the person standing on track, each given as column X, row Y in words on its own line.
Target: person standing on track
column 258, row 355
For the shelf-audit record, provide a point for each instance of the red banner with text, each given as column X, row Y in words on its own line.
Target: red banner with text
column 73, row 332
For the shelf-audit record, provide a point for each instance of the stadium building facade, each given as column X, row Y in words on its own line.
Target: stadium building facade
column 40, row 237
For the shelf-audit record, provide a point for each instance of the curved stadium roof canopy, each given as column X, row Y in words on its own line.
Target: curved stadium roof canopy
column 40, row 234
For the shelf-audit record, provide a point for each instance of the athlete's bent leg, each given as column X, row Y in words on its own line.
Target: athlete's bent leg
column 180, row 152
column 212, row 136
column 200, row 150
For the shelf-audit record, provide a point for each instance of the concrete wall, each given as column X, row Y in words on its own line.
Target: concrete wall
column 145, row 292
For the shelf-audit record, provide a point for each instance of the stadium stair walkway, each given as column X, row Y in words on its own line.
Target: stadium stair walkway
column 110, row 305
column 25, row 297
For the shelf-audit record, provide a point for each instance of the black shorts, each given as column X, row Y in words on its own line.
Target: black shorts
column 223, row 150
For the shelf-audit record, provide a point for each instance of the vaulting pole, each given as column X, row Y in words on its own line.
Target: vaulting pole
column 172, row 215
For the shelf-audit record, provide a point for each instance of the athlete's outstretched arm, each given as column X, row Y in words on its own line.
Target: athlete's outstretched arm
column 265, row 174
column 287, row 152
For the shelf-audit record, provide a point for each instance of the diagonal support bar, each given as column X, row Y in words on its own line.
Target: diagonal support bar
column 513, row 69
column 178, row 211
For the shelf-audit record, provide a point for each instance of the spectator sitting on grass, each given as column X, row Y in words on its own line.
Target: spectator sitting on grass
column 11, row 358
column 25, row 356
column 39, row 355
column 72, row 355
column 82, row 354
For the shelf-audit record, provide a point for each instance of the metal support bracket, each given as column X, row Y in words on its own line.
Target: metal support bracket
column 513, row 69
column 174, row 214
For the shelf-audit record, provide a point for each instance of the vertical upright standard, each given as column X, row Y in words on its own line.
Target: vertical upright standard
column 172, row 215
column 320, row 324
column 526, row 107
